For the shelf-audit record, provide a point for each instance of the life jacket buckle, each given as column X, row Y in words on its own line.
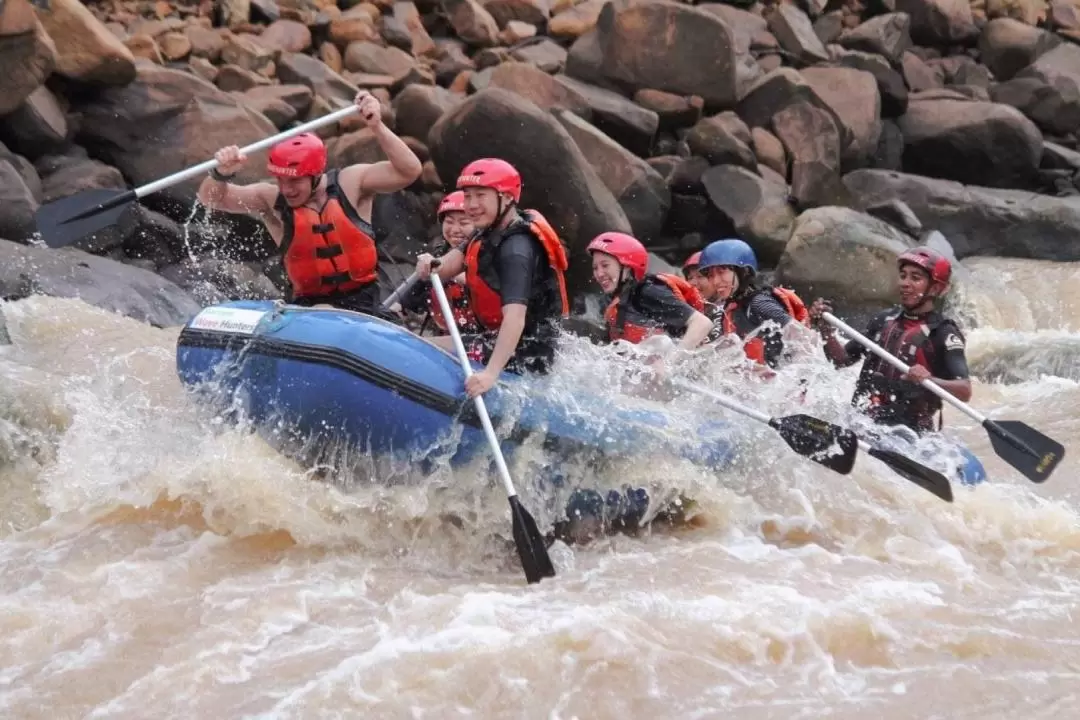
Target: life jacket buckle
column 329, row 251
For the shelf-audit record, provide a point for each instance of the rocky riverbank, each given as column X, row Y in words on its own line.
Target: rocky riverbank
column 827, row 134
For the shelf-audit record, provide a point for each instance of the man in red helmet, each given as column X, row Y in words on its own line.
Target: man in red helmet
column 930, row 343
column 320, row 220
column 514, row 268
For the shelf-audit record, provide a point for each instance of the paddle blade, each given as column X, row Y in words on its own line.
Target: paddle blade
column 530, row 544
column 818, row 440
column 926, row 478
column 1025, row 448
column 67, row 220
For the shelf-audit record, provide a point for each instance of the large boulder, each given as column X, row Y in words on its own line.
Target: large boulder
column 17, row 201
column 98, row 281
column 973, row 142
column 86, row 50
column 27, row 53
column 1057, row 75
column 558, row 179
column 843, row 255
column 757, row 208
column 978, row 220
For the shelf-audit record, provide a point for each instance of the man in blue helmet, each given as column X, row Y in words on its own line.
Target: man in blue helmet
column 730, row 267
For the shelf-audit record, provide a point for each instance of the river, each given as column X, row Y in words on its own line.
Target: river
column 154, row 564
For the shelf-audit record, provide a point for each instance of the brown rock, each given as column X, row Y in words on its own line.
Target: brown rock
column 144, row 46
column 471, row 22
column 65, row 175
column 299, row 97
column 541, row 52
column 407, row 14
column 419, row 107
column 246, row 52
column 368, row 57
column 530, row 82
column 205, row 42
column 331, row 57
column 516, row 31
column 665, row 46
column 576, row 20
column 36, row 127
column 369, row 81
column 174, row 46
column 627, row 123
column 233, row 78
column 1029, row 12
column 795, row 34
column 769, row 151
column 451, row 60
column 937, row 23
column 920, row 76
column 722, row 139
column 534, row 12
column 757, row 208
column 287, row 35
column 890, row 83
column 203, row 68
column 887, row 35
column 235, row 12
column 673, row 111
column 1065, row 18
column 1008, row 46
column 775, row 91
column 27, row 54
column 85, row 49
column 812, row 141
column 275, row 109
column 355, row 25
column 853, row 97
column 299, row 69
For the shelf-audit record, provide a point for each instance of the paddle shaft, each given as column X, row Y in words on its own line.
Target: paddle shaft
column 722, row 400
column 466, row 367
column 401, row 290
column 899, row 365
column 209, row 165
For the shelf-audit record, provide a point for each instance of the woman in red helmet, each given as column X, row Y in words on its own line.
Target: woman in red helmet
column 514, row 268
column 641, row 304
column 320, row 220
column 456, row 228
column 691, row 270
column 930, row 343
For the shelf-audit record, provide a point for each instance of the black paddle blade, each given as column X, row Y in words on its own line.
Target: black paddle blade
column 816, row 439
column 67, row 220
column 1025, row 448
column 530, row 544
column 926, row 478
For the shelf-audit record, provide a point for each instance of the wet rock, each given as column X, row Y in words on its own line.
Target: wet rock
column 757, row 208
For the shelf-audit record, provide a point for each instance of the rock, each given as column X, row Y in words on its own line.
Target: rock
column 367, row 57
column 174, row 46
column 769, row 151
column 63, row 175
column 722, row 139
column 144, row 47
column 843, row 255
column 757, row 208
column 298, row 97
column 286, row 36
column 962, row 70
column 246, row 52
column 665, row 46
column 1049, row 108
column 1058, row 157
column 1059, row 72
column 104, row 283
column 541, row 52
column 86, row 50
column 403, row 222
column 829, row 27
column 939, row 23
column 899, row 215
column 355, row 25
column 36, row 127
column 777, row 90
column 853, row 97
column 27, row 54
column 211, row 281
column 1030, row 12
column 577, row 20
column 672, row 111
column 979, row 220
column 685, row 174
column 182, row 121
column 418, row 107
column 1007, row 46
column 795, row 34
column 451, row 60
column 331, row 57
column 970, row 142
column 205, row 42
column 886, row 35
column 918, row 75
column 891, row 87
column 299, row 69
column 812, row 141
column 273, row 108
column 421, row 44
column 559, row 181
column 535, row 12
column 17, row 203
column 626, row 122
column 531, row 82
column 235, row 13
column 641, row 191
column 232, row 78
column 471, row 22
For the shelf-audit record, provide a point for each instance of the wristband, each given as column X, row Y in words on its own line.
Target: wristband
column 219, row 177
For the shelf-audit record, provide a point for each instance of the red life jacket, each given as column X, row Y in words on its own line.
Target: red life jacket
column 327, row 251
column 735, row 321
column 909, row 339
column 484, row 300
column 622, row 328
column 458, row 298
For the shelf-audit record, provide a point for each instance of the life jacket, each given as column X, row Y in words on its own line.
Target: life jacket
column 327, row 251
column 622, row 319
column 458, row 299
column 482, row 278
column 735, row 319
column 911, row 340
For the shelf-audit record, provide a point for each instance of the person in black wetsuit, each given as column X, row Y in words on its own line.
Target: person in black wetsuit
column 514, row 268
column 930, row 343
column 740, row 307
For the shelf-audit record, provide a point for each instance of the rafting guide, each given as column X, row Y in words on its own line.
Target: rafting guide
column 319, row 219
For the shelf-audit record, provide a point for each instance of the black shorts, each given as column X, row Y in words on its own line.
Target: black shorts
column 364, row 299
column 533, row 354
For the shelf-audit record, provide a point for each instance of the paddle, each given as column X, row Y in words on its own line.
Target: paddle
column 1035, row 455
column 809, row 436
column 401, row 290
column 530, row 543
column 66, row 220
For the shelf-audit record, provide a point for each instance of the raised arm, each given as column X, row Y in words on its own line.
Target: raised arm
column 400, row 169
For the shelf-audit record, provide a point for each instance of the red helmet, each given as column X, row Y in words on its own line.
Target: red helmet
column 626, row 249
column 453, row 202
column 691, row 262
column 491, row 173
column 937, row 267
column 300, row 156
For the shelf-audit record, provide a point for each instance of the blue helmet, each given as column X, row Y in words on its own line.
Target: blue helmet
column 734, row 253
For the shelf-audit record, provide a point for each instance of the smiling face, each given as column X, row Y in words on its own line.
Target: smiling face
column 296, row 190
column 699, row 281
column 606, row 271
column 456, row 228
column 915, row 285
column 482, row 206
column 723, row 281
